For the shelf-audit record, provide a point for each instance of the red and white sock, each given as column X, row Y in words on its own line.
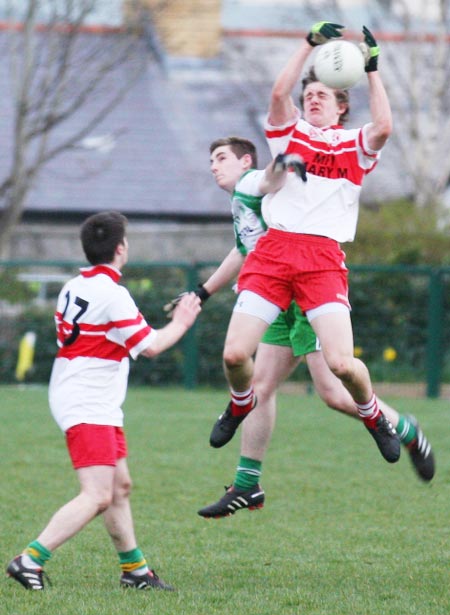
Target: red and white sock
column 242, row 401
column 369, row 412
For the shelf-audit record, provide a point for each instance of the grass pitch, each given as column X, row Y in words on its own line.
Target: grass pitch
column 342, row 531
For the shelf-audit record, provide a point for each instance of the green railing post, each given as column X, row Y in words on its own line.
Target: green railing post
column 435, row 333
column 190, row 346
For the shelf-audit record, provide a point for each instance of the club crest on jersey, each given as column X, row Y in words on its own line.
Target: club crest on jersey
column 332, row 137
column 335, row 138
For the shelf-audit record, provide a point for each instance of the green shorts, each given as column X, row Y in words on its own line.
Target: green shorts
column 292, row 328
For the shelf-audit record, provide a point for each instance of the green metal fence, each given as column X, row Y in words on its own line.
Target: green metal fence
column 401, row 321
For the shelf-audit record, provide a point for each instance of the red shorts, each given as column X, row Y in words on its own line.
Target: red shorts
column 285, row 266
column 95, row 445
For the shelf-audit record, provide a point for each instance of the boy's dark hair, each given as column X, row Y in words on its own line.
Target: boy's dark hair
column 101, row 234
column 342, row 96
column 239, row 146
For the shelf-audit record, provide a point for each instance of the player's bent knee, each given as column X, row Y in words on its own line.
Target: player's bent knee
column 124, row 489
column 101, row 499
column 342, row 368
column 234, row 357
column 103, row 503
column 264, row 390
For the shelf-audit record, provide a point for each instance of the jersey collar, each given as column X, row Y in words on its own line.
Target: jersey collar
column 109, row 270
column 246, row 173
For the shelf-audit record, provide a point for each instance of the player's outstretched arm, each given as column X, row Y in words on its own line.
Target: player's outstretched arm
column 183, row 317
column 380, row 129
column 225, row 272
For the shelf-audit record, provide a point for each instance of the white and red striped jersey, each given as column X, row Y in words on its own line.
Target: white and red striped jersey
column 337, row 161
column 98, row 326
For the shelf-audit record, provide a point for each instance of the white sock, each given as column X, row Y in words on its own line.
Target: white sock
column 370, row 410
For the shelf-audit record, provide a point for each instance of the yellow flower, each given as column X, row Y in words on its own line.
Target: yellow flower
column 358, row 351
column 389, row 354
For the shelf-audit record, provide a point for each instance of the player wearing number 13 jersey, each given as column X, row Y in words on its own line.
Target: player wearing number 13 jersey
column 98, row 327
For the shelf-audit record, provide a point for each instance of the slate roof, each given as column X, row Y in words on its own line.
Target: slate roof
column 158, row 167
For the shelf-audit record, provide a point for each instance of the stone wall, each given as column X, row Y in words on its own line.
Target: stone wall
column 149, row 242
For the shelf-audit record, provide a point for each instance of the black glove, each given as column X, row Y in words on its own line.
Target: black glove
column 370, row 50
column 201, row 292
column 293, row 162
column 322, row 31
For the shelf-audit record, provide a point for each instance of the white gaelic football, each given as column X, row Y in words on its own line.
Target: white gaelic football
column 339, row 64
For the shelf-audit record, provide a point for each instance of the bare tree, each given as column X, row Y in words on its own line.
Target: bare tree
column 414, row 37
column 417, row 69
column 66, row 77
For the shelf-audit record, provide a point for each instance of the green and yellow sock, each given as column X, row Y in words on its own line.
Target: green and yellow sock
column 406, row 430
column 133, row 561
column 37, row 553
column 248, row 473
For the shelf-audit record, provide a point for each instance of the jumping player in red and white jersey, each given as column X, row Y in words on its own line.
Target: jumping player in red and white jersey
column 300, row 257
column 98, row 327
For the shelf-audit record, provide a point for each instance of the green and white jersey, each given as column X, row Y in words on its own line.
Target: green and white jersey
column 248, row 222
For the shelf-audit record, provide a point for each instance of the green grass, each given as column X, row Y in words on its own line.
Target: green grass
column 342, row 531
